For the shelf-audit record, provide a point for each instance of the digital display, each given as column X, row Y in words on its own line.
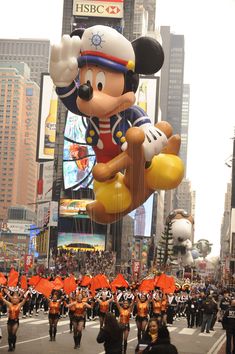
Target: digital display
column 75, row 208
column 78, row 157
column 80, row 241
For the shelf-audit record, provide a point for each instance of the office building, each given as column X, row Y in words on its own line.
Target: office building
column 34, row 52
column 19, row 100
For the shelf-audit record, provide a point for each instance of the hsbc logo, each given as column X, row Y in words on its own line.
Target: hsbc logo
column 98, row 8
column 113, row 10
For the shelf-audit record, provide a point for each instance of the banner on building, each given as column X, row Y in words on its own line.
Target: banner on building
column 147, row 96
column 28, row 262
column 90, row 8
column 15, row 228
column 45, row 181
column 142, row 217
column 47, row 120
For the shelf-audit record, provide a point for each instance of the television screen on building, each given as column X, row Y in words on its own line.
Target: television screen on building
column 78, row 157
column 74, row 208
column 81, row 241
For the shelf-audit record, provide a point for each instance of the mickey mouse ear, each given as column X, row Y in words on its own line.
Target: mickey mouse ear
column 149, row 55
column 77, row 32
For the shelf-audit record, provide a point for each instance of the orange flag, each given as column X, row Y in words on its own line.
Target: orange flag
column 3, row 279
column 13, row 278
column 146, row 285
column 161, row 281
column 23, row 282
column 45, row 287
column 103, row 280
column 86, row 280
column 34, row 280
column 70, row 285
column 119, row 282
column 58, row 283
column 170, row 288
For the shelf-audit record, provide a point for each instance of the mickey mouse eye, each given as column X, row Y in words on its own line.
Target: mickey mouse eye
column 88, row 77
column 100, row 80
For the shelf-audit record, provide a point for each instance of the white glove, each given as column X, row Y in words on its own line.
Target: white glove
column 63, row 65
column 155, row 141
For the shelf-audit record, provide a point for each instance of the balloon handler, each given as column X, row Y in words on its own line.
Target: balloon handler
column 96, row 74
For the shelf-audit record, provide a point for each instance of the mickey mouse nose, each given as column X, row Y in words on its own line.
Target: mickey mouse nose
column 85, row 92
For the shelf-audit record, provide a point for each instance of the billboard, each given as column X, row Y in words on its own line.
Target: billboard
column 47, row 120
column 78, row 157
column 45, row 181
column 75, row 208
column 15, row 228
column 80, row 241
column 90, row 8
column 147, row 96
column 142, row 217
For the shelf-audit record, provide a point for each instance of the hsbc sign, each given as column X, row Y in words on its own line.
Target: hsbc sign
column 92, row 8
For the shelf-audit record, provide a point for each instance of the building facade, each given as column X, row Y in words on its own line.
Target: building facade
column 19, row 101
column 34, row 52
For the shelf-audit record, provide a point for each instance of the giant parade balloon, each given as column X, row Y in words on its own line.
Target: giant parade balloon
column 96, row 74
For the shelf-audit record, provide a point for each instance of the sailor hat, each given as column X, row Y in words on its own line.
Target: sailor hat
column 102, row 45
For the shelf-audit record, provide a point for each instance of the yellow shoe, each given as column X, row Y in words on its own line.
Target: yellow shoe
column 113, row 194
column 166, row 172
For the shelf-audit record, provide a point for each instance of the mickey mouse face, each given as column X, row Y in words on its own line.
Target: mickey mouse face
column 102, row 79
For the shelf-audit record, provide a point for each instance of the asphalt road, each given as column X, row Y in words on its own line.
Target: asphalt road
column 33, row 338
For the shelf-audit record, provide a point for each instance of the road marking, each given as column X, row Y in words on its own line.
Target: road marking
column 207, row 334
column 218, row 344
column 188, row 331
column 171, row 329
column 39, row 322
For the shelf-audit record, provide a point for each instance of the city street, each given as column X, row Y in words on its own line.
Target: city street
column 32, row 338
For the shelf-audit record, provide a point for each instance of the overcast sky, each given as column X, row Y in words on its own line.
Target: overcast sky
column 209, row 30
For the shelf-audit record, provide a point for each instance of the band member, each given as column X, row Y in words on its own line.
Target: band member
column 104, row 303
column 14, row 308
column 78, row 318
column 142, row 305
column 124, row 319
column 54, row 315
column 157, row 306
column 171, row 308
column 71, row 311
column 164, row 305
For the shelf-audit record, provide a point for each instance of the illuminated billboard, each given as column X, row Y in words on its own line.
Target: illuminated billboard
column 142, row 217
column 75, row 208
column 80, row 241
column 147, row 96
column 78, row 157
column 47, row 120
column 103, row 8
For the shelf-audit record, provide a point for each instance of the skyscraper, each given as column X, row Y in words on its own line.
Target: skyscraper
column 184, row 125
column 171, row 91
column 19, row 99
column 34, row 52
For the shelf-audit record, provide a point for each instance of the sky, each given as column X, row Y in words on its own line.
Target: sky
column 209, row 29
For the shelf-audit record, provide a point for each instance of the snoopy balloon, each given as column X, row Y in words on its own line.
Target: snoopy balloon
column 96, row 74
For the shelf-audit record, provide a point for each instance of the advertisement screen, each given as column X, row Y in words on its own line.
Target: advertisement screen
column 74, row 208
column 142, row 217
column 78, row 157
column 47, row 120
column 80, row 241
column 147, row 96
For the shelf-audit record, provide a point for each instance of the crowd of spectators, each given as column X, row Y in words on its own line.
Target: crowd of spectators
column 84, row 262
